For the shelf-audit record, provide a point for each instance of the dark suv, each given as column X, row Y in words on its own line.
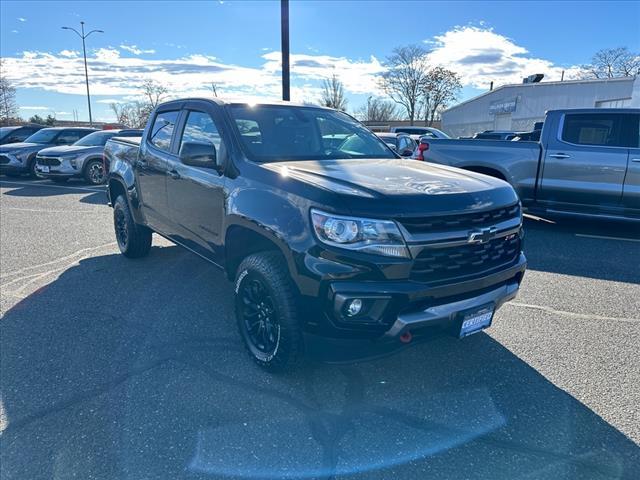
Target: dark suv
column 340, row 239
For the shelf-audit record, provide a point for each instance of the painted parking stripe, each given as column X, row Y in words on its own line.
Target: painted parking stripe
column 608, row 238
column 33, row 184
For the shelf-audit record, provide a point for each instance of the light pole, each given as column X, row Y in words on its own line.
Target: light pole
column 84, row 52
column 284, row 37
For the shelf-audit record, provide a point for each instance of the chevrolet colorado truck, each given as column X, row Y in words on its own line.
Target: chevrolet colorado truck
column 586, row 164
column 322, row 239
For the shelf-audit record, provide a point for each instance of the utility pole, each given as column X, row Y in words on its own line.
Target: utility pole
column 84, row 53
column 284, row 35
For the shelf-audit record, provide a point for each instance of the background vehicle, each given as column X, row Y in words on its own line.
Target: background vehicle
column 19, row 158
column 82, row 159
column 417, row 132
column 587, row 163
column 495, row 135
column 18, row 133
column 400, row 142
column 350, row 242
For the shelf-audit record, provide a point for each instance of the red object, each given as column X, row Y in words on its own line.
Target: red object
column 422, row 147
column 406, row 337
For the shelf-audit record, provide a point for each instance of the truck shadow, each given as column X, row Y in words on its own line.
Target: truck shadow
column 122, row 369
column 577, row 248
column 90, row 195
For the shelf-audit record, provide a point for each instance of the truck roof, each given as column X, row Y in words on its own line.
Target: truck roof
column 222, row 101
column 595, row 110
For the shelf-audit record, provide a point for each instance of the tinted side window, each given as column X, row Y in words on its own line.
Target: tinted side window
column 200, row 128
column 162, row 129
column 605, row 129
column 68, row 137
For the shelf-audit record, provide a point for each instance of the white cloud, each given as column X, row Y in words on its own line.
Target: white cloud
column 14, row 31
column 22, row 19
column 69, row 53
column 135, row 50
column 480, row 55
column 109, row 101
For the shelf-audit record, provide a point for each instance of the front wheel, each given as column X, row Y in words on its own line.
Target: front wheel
column 94, row 172
column 266, row 311
column 134, row 240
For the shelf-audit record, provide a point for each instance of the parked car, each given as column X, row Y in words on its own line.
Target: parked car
column 17, row 133
column 350, row 243
column 19, row 158
column 532, row 136
column 418, row 132
column 495, row 135
column 82, row 159
column 587, row 163
column 399, row 142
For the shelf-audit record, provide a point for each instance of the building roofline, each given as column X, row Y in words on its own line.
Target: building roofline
column 557, row 82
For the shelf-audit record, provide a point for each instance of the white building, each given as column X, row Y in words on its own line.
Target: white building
column 518, row 107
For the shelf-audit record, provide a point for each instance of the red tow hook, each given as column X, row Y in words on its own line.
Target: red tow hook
column 406, row 337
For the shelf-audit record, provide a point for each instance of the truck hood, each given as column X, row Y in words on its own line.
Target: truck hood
column 400, row 187
column 10, row 147
column 65, row 150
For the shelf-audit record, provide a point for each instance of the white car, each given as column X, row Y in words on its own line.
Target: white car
column 418, row 132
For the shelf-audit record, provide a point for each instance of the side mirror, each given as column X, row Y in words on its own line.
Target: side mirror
column 199, row 155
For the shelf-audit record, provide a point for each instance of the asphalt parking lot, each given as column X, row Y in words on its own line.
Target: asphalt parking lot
column 121, row 369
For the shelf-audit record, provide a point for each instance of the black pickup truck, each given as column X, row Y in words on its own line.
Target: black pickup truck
column 326, row 231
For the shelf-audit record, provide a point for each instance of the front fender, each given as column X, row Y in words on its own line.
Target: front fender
column 279, row 216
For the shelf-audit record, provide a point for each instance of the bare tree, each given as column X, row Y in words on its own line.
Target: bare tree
column 8, row 106
column 333, row 94
column 132, row 114
column 154, row 93
column 440, row 88
column 377, row 110
column 613, row 62
column 402, row 82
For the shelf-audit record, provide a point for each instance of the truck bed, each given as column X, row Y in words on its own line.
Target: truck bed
column 516, row 162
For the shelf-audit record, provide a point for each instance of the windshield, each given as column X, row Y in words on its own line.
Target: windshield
column 95, row 139
column 4, row 131
column 45, row 135
column 279, row 132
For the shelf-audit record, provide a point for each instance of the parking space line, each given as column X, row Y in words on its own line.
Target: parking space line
column 583, row 316
column 32, row 184
column 605, row 237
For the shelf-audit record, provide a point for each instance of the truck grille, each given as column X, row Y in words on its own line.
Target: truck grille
column 438, row 264
column 4, row 159
column 52, row 162
column 466, row 221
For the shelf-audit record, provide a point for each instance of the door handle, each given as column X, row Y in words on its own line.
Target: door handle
column 560, row 155
column 174, row 174
column 637, row 160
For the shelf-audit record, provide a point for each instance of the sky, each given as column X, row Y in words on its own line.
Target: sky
column 186, row 46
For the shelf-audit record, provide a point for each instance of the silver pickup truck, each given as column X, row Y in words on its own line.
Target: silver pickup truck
column 587, row 163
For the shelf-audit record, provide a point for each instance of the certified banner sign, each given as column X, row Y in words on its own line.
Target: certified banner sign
column 502, row 106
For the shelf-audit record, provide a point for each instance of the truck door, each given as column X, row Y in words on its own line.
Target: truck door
column 151, row 168
column 631, row 188
column 196, row 193
column 585, row 164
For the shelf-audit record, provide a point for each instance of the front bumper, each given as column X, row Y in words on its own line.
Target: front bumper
column 11, row 164
column 64, row 169
column 392, row 308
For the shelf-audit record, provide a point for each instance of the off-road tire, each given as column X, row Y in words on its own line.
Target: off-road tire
column 271, row 270
column 136, row 241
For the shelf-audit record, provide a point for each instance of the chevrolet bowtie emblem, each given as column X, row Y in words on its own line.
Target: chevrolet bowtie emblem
column 482, row 235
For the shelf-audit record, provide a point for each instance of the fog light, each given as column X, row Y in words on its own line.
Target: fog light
column 354, row 307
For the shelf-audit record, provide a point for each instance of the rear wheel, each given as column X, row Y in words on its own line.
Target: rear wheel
column 266, row 311
column 134, row 240
column 94, row 172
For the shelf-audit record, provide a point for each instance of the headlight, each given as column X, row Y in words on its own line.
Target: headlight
column 380, row 237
